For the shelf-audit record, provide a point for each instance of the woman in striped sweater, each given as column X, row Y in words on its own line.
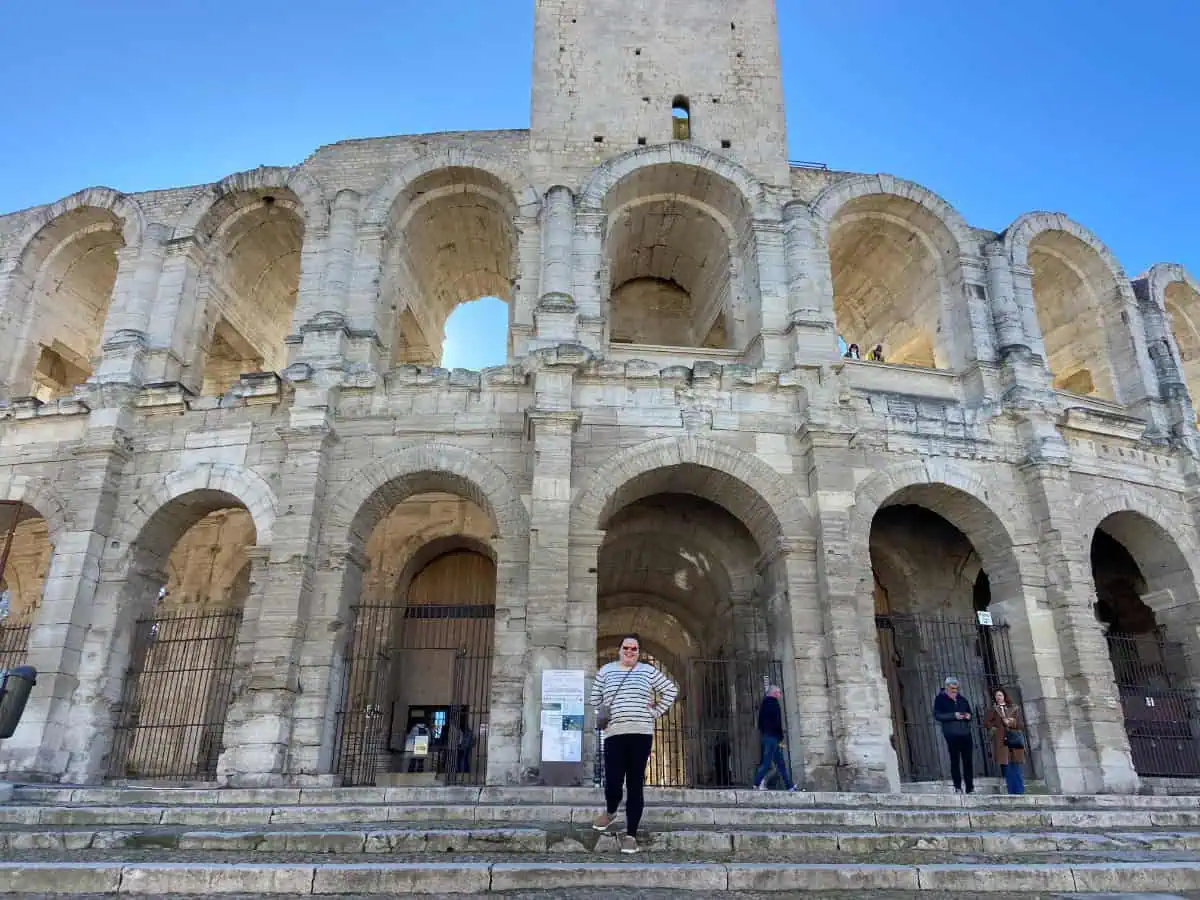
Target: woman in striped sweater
column 635, row 695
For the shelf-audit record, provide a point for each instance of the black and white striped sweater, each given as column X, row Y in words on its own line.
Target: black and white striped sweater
column 635, row 698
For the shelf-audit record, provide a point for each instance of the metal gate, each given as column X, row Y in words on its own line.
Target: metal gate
column 410, row 664
column 710, row 737
column 1158, row 703
column 171, row 718
column 918, row 654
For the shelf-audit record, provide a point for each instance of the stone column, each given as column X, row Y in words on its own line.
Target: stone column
column 14, row 283
column 583, row 622
column 171, row 329
column 257, row 745
column 1096, row 758
column 1010, row 335
column 589, row 288
column 67, row 726
column 860, row 713
column 526, row 291
column 773, row 350
column 546, row 615
column 810, row 326
column 556, row 316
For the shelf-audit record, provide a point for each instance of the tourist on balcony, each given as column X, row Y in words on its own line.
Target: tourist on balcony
column 877, row 353
column 1008, row 740
column 852, row 352
column 770, row 732
column 628, row 696
column 953, row 710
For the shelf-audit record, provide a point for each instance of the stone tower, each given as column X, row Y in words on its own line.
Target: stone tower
column 610, row 75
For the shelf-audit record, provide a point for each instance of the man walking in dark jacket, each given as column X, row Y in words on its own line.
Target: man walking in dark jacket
column 953, row 710
column 770, row 729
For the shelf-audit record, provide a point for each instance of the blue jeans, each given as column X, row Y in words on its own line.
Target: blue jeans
column 1014, row 778
column 772, row 753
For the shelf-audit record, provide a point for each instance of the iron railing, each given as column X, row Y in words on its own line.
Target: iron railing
column 14, row 644
column 710, row 737
column 177, row 691
column 410, row 664
column 918, row 653
column 1159, row 704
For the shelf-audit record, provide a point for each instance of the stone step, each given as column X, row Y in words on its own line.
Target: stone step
column 978, row 819
column 384, row 879
column 735, row 842
column 575, row 796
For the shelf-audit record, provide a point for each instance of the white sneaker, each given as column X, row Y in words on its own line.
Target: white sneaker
column 761, row 787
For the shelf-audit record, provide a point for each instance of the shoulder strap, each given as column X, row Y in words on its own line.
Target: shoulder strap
column 623, row 680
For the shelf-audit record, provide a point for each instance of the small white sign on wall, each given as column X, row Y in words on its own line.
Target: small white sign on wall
column 985, row 617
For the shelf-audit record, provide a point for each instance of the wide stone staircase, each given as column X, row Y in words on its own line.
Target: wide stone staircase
column 374, row 842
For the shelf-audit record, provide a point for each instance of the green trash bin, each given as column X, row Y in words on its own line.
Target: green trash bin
column 15, row 685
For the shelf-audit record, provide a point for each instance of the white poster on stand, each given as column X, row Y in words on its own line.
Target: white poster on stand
column 562, row 715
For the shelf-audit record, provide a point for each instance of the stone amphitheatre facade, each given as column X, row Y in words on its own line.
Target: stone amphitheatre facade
column 257, row 531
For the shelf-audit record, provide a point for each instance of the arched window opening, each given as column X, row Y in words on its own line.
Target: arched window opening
column 895, row 277
column 676, row 240
column 1076, row 301
column 681, row 119
column 24, row 561
column 54, row 326
column 249, row 285
column 1183, row 308
column 451, row 242
column 476, row 335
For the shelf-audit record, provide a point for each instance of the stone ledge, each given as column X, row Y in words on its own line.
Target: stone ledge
column 390, row 879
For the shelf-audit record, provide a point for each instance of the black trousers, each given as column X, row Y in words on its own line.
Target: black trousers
column 625, row 758
column 962, row 761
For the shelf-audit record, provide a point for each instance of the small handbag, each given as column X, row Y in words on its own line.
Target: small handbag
column 1014, row 740
column 604, row 710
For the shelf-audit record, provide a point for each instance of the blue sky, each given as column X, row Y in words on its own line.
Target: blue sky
column 1091, row 107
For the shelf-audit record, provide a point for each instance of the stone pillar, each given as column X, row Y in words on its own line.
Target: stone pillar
column 172, row 328
column 810, row 326
column 526, row 291
column 556, row 316
column 858, row 698
column 1010, row 335
column 589, row 288
column 67, row 727
column 583, row 621
column 546, row 615
column 257, row 744
column 14, row 283
column 1096, row 758
column 772, row 351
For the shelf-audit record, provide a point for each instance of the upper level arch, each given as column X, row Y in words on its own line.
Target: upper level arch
column 1082, row 305
column 1174, row 294
column 58, row 288
column 213, row 205
column 895, row 252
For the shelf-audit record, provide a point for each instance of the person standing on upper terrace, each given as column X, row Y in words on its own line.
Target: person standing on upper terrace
column 953, row 710
column 628, row 696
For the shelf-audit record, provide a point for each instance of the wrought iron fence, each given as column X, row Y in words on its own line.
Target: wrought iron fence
column 918, row 653
column 177, row 690
column 416, row 665
column 710, row 738
column 1159, row 704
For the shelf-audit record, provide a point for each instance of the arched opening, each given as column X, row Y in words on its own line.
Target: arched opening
column 451, row 239
column 1183, row 308
column 60, row 303
column 1136, row 564
column 686, row 574
column 189, row 583
column 681, row 119
column 24, row 562
column 934, row 619
column 249, row 284
column 896, row 280
column 419, row 660
column 675, row 248
column 1078, row 310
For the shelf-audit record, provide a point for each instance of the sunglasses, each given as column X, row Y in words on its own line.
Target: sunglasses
column 630, row 649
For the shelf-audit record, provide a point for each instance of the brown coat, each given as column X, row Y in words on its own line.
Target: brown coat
column 1000, row 752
